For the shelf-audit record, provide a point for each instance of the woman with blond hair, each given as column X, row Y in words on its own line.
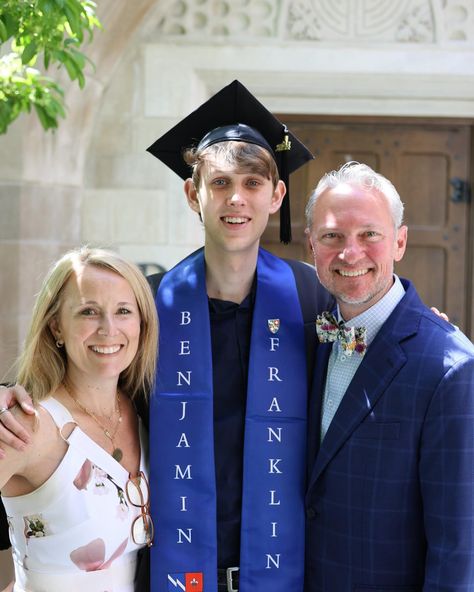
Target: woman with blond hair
column 77, row 498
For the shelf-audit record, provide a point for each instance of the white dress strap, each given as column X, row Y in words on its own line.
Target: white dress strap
column 101, row 457
column 80, row 440
column 58, row 412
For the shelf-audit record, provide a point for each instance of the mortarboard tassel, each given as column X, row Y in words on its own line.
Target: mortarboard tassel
column 285, row 215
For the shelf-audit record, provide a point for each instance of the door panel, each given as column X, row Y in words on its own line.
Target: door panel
column 420, row 159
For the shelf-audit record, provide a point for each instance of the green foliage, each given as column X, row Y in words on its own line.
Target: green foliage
column 46, row 34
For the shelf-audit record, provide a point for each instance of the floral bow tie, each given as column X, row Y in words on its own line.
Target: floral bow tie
column 351, row 338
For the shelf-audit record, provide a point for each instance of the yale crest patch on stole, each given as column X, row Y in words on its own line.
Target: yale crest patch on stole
column 186, row 582
column 274, row 325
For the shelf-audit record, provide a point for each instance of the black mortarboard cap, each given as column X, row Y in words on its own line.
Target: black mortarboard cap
column 235, row 114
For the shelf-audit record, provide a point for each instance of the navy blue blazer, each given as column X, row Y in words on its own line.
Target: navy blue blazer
column 390, row 500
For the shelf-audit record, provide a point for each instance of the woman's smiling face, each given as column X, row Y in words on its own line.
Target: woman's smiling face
column 99, row 322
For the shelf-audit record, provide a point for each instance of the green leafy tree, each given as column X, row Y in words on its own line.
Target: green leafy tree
column 41, row 34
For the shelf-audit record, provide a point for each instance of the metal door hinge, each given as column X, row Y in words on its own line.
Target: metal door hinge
column 461, row 192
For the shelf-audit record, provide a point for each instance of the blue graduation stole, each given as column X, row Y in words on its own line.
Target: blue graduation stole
column 182, row 473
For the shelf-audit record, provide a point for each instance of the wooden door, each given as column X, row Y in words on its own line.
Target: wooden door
column 421, row 159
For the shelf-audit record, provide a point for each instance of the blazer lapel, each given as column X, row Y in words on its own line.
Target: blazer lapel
column 381, row 363
column 311, row 348
column 323, row 351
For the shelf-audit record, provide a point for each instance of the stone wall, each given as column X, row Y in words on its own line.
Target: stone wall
column 156, row 60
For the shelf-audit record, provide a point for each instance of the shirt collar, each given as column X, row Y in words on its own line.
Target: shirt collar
column 218, row 306
column 375, row 316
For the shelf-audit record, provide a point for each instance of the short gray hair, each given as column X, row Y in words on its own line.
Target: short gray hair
column 356, row 173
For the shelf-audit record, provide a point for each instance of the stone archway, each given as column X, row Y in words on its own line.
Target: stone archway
column 59, row 157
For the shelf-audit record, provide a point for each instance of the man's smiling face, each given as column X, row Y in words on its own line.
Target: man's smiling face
column 234, row 206
column 355, row 245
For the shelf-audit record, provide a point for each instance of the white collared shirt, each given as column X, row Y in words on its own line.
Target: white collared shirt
column 341, row 368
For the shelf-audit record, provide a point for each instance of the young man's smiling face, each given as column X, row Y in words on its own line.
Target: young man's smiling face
column 355, row 245
column 234, row 206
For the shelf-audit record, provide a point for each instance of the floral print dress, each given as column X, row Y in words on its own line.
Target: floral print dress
column 73, row 533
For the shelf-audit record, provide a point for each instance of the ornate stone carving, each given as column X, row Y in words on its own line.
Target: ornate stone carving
column 417, row 25
column 357, row 21
column 220, row 18
column 303, row 20
column 361, row 20
column 458, row 20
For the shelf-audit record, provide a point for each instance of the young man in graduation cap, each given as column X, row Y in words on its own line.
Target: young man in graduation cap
column 228, row 415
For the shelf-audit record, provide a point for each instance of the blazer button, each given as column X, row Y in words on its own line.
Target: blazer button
column 310, row 513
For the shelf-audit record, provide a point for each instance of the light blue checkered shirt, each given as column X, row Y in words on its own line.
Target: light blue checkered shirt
column 341, row 368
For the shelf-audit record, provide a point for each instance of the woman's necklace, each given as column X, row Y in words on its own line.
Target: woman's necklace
column 117, row 453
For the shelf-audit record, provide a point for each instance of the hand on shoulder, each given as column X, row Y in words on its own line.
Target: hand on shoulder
column 22, row 470
column 13, row 432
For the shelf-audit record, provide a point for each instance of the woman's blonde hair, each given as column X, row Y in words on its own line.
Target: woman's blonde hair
column 42, row 366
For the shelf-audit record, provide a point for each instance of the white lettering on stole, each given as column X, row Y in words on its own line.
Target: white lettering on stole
column 183, row 441
column 183, row 470
column 182, row 534
column 273, row 501
column 180, row 474
column 273, row 465
column 185, row 317
column 274, row 437
column 274, row 434
column 185, row 349
column 185, row 377
column 275, row 561
column 274, row 406
column 273, row 374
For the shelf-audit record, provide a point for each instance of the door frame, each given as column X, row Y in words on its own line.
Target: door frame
column 430, row 121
